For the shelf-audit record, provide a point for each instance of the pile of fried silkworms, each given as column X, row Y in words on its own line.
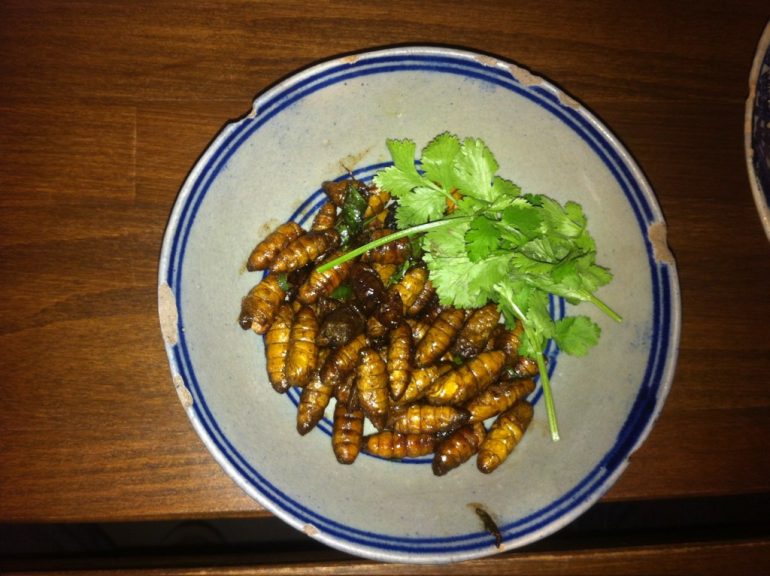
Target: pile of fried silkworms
column 371, row 333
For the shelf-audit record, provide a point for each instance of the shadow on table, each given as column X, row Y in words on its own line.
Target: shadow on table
column 240, row 541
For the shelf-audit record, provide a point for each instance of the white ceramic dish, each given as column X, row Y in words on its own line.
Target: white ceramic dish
column 757, row 129
column 268, row 167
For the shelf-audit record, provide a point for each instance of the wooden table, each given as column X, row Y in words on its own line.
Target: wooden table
column 106, row 105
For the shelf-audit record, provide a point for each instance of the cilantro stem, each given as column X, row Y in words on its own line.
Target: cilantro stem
column 411, row 231
column 605, row 308
column 446, row 193
column 550, row 408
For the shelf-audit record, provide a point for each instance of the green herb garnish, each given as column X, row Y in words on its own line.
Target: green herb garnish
column 351, row 220
column 283, row 281
column 342, row 292
column 484, row 240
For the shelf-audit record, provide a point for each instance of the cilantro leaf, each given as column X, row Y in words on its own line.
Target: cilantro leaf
column 448, row 241
column 582, row 272
column 438, row 158
column 575, row 279
column 526, row 266
column 558, row 220
column 420, row 205
column 574, row 212
column 503, row 191
column 394, row 181
column 495, row 245
column 576, row 335
column 462, row 283
column 523, row 219
column 474, row 169
column 482, row 238
column 539, row 315
column 459, row 281
column 487, row 273
column 402, row 177
column 470, row 206
column 450, row 276
column 546, row 249
column 402, row 152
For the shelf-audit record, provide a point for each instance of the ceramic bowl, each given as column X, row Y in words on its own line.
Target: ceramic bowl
column 757, row 129
column 267, row 167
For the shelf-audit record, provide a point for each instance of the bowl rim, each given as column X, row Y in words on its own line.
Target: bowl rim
column 266, row 102
column 760, row 194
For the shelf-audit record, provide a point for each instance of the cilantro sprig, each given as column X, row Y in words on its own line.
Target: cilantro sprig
column 483, row 240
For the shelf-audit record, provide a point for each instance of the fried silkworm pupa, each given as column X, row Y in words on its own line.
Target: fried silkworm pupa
column 367, row 288
column 323, row 283
column 394, row 252
column 421, row 380
column 305, row 249
column 277, row 347
column 376, row 200
column 313, row 401
column 264, row 252
column 325, row 218
column 336, row 191
column 376, row 221
column 458, row 447
column 411, row 285
column 324, row 306
column 431, row 310
column 504, row 435
column 476, row 331
column 508, row 341
column 391, row 310
column 376, row 331
column 293, row 280
column 342, row 362
column 498, row 398
column 384, row 271
column 259, row 306
column 395, row 446
column 525, row 367
column 467, row 380
column 427, row 419
column 302, row 356
column 419, row 328
column 341, row 325
column 372, row 386
column 375, row 203
column 423, row 301
column 399, row 359
column 439, row 336
column 343, row 389
column 347, row 430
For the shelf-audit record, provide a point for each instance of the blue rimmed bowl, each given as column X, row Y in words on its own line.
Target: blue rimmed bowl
column 332, row 119
column 757, row 129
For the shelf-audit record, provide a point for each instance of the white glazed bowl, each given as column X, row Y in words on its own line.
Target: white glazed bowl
column 268, row 167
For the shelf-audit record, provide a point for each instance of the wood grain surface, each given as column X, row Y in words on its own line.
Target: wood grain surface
column 711, row 558
column 106, row 105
